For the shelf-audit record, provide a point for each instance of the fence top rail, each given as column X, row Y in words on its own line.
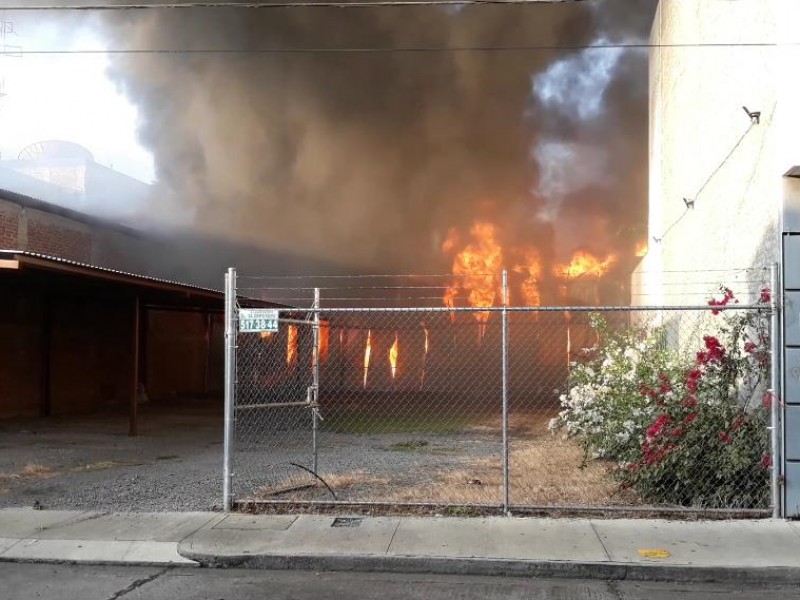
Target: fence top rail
column 531, row 309
column 362, row 276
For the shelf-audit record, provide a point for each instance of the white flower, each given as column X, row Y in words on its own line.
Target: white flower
column 631, row 355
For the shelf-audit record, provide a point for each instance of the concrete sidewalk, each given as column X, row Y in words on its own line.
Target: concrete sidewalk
column 747, row 551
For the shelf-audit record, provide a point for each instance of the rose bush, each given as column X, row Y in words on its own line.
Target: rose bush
column 683, row 429
column 609, row 402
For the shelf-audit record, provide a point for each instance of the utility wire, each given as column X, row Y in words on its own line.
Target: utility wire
column 260, row 5
column 690, row 203
column 394, row 49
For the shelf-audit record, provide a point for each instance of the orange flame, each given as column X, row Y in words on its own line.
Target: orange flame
column 424, row 356
column 265, row 335
column 584, row 263
column 367, row 352
column 291, row 345
column 531, row 267
column 324, row 340
column 641, row 249
column 451, row 241
column 450, row 296
column 476, row 266
column 393, row 356
column 569, row 345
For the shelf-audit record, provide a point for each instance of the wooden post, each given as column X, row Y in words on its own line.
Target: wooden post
column 46, row 341
column 208, row 352
column 143, row 343
column 133, row 417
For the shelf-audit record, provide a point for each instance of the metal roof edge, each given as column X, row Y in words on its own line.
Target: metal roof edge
column 57, row 262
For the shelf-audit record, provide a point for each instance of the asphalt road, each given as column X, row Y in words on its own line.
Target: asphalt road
column 20, row 581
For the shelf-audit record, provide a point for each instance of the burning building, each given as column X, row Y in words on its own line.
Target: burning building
column 408, row 151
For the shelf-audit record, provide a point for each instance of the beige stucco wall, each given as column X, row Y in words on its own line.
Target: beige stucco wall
column 696, row 121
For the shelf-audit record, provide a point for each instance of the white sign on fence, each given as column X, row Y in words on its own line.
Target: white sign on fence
column 256, row 320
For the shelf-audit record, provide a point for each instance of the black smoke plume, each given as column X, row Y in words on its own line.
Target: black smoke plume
column 366, row 159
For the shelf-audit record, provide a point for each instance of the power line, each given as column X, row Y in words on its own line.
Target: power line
column 398, row 49
column 690, row 203
column 265, row 5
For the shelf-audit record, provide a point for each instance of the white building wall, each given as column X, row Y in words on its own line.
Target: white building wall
column 703, row 147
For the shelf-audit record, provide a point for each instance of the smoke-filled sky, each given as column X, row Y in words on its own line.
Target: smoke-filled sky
column 367, row 159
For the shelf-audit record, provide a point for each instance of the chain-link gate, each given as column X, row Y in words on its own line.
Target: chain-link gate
column 501, row 408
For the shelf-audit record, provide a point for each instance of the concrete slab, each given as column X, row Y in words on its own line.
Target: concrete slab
column 69, row 551
column 29, row 523
column 794, row 526
column 162, row 553
column 707, row 543
column 308, row 535
column 90, row 551
column 316, row 535
column 6, row 543
column 499, row 538
column 156, row 527
column 256, row 522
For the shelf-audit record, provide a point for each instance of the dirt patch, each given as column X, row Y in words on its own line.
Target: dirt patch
column 29, row 471
column 346, row 480
column 104, row 464
column 94, row 465
column 409, row 446
column 544, row 470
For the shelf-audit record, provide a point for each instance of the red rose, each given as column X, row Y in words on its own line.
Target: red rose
column 692, row 378
column 657, row 426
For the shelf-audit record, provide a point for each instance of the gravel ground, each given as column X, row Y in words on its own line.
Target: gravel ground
column 377, row 467
column 91, row 463
column 176, row 462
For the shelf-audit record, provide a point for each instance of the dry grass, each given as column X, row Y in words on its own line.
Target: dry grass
column 340, row 481
column 542, row 472
column 29, row 471
column 103, row 465
column 545, row 470
column 298, row 484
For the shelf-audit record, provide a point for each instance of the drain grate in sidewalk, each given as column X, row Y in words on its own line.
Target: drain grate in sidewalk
column 346, row 522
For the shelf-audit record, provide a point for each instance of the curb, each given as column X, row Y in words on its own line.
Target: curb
column 503, row 568
column 99, row 563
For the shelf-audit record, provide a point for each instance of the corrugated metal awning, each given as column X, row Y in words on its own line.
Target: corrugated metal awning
column 21, row 259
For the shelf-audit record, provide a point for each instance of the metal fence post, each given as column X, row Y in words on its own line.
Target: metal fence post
column 315, row 391
column 775, row 391
column 230, row 387
column 505, row 395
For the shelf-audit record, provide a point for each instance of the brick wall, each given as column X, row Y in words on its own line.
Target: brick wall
column 54, row 236
column 78, row 238
column 9, row 225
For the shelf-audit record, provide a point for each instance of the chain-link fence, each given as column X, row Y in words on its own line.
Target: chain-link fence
column 523, row 408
